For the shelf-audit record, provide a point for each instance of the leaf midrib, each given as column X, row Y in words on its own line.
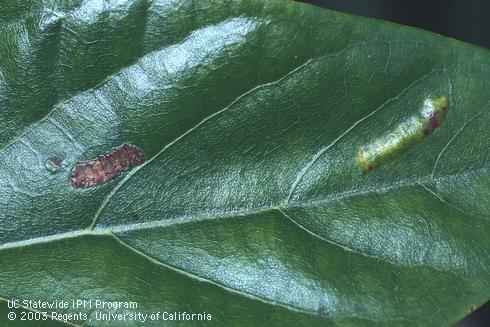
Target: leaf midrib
column 223, row 287
column 249, row 211
column 302, row 172
column 92, row 230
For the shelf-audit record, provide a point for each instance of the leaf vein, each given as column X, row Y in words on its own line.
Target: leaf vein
column 181, row 136
column 452, row 139
column 206, row 280
column 317, row 156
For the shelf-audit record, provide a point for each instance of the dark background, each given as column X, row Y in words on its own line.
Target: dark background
column 467, row 21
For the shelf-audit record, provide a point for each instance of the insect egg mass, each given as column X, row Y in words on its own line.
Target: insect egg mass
column 408, row 133
column 106, row 167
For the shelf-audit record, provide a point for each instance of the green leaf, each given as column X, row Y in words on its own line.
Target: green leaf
column 250, row 206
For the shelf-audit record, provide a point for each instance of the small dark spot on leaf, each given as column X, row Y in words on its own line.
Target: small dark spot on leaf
column 323, row 310
column 53, row 164
column 434, row 123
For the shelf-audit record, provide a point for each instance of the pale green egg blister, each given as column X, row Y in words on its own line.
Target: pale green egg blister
column 413, row 130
